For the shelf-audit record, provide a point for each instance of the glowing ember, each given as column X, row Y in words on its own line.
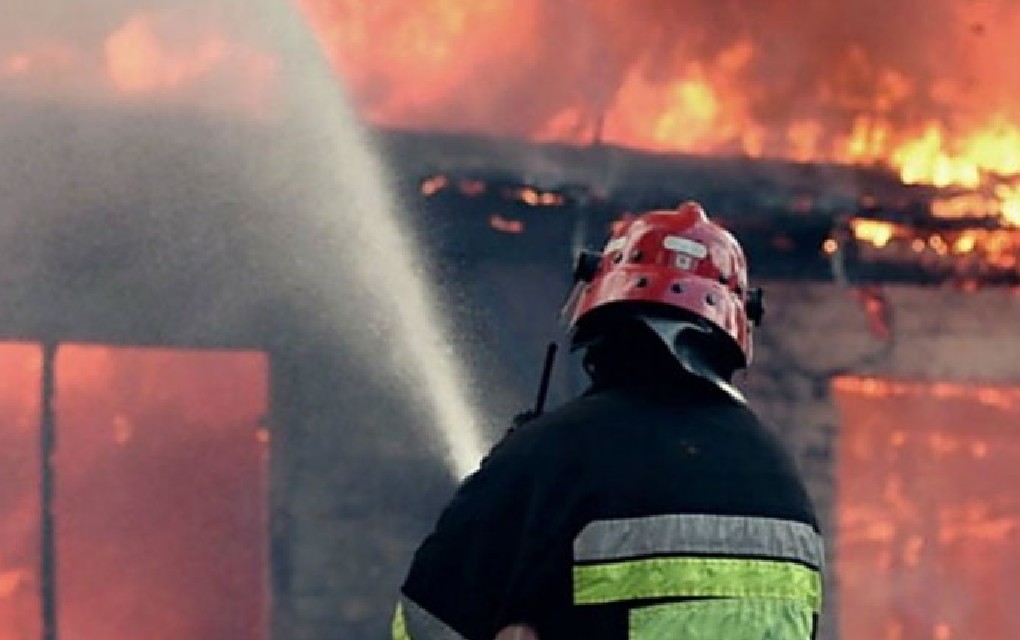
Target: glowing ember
column 878, row 311
column 506, row 225
column 967, row 252
column 533, row 197
column 472, row 187
column 434, row 185
column 874, row 231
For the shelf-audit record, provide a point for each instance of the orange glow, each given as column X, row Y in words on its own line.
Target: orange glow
column 505, row 225
column 534, row 197
column 190, row 58
column 17, row 64
column 964, row 250
column 434, row 185
column 160, row 493
column 931, row 99
column 928, row 523
column 45, row 62
column 139, row 62
column 876, row 232
column 472, row 187
column 878, row 311
column 11, row 582
column 19, row 491
column 1005, row 398
column 400, row 59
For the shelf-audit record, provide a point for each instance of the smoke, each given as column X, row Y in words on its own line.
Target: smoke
column 157, row 110
column 776, row 71
column 190, row 173
column 385, row 291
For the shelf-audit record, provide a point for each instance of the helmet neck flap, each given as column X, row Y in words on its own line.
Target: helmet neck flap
column 626, row 346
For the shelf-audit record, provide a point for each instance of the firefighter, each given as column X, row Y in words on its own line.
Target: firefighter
column 654, row 506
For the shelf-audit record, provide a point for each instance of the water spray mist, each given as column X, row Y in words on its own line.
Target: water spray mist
column 361, row 190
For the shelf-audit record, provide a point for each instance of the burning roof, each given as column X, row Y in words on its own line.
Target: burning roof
column 919, row 95
column 875, row 81
column 832, row 143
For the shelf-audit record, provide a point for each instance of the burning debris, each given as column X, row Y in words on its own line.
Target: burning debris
column 922, row 95
column 680, row 77
column 662, row 85
column 798, row 220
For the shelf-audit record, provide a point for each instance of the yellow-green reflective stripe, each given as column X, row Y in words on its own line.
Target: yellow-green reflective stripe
column 730, row 619
column 697, row 577
column 399, row 624
column 419, row 624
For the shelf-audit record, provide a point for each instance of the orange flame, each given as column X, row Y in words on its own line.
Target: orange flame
column 928, row 98
column 168, row 55
column 966, row 250
column 138, row 61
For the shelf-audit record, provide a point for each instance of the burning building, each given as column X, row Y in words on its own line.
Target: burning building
column 209, row 400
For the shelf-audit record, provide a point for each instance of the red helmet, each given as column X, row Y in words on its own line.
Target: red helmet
column 673, row 260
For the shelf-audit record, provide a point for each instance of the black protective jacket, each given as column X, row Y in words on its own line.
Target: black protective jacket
column 627, row 513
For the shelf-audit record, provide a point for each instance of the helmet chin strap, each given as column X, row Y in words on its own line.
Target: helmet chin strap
column 690, row 358
column 570, row 305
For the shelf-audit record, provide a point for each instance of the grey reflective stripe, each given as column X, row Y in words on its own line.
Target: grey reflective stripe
column 422, row 625
column 700, row 534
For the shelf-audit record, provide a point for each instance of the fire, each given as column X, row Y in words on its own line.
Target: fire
column 934, row 159
column 474, row 187
column 876, row 232
column 11, row 582
column 928, row 526
column 182, row 57
column 138, row 61
column 505, row 225
column 998, row 397
column 929, row 98
column 19, row 504
column 966, row 251
column 157, row 54
column 44, row 58
column 158, row 486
